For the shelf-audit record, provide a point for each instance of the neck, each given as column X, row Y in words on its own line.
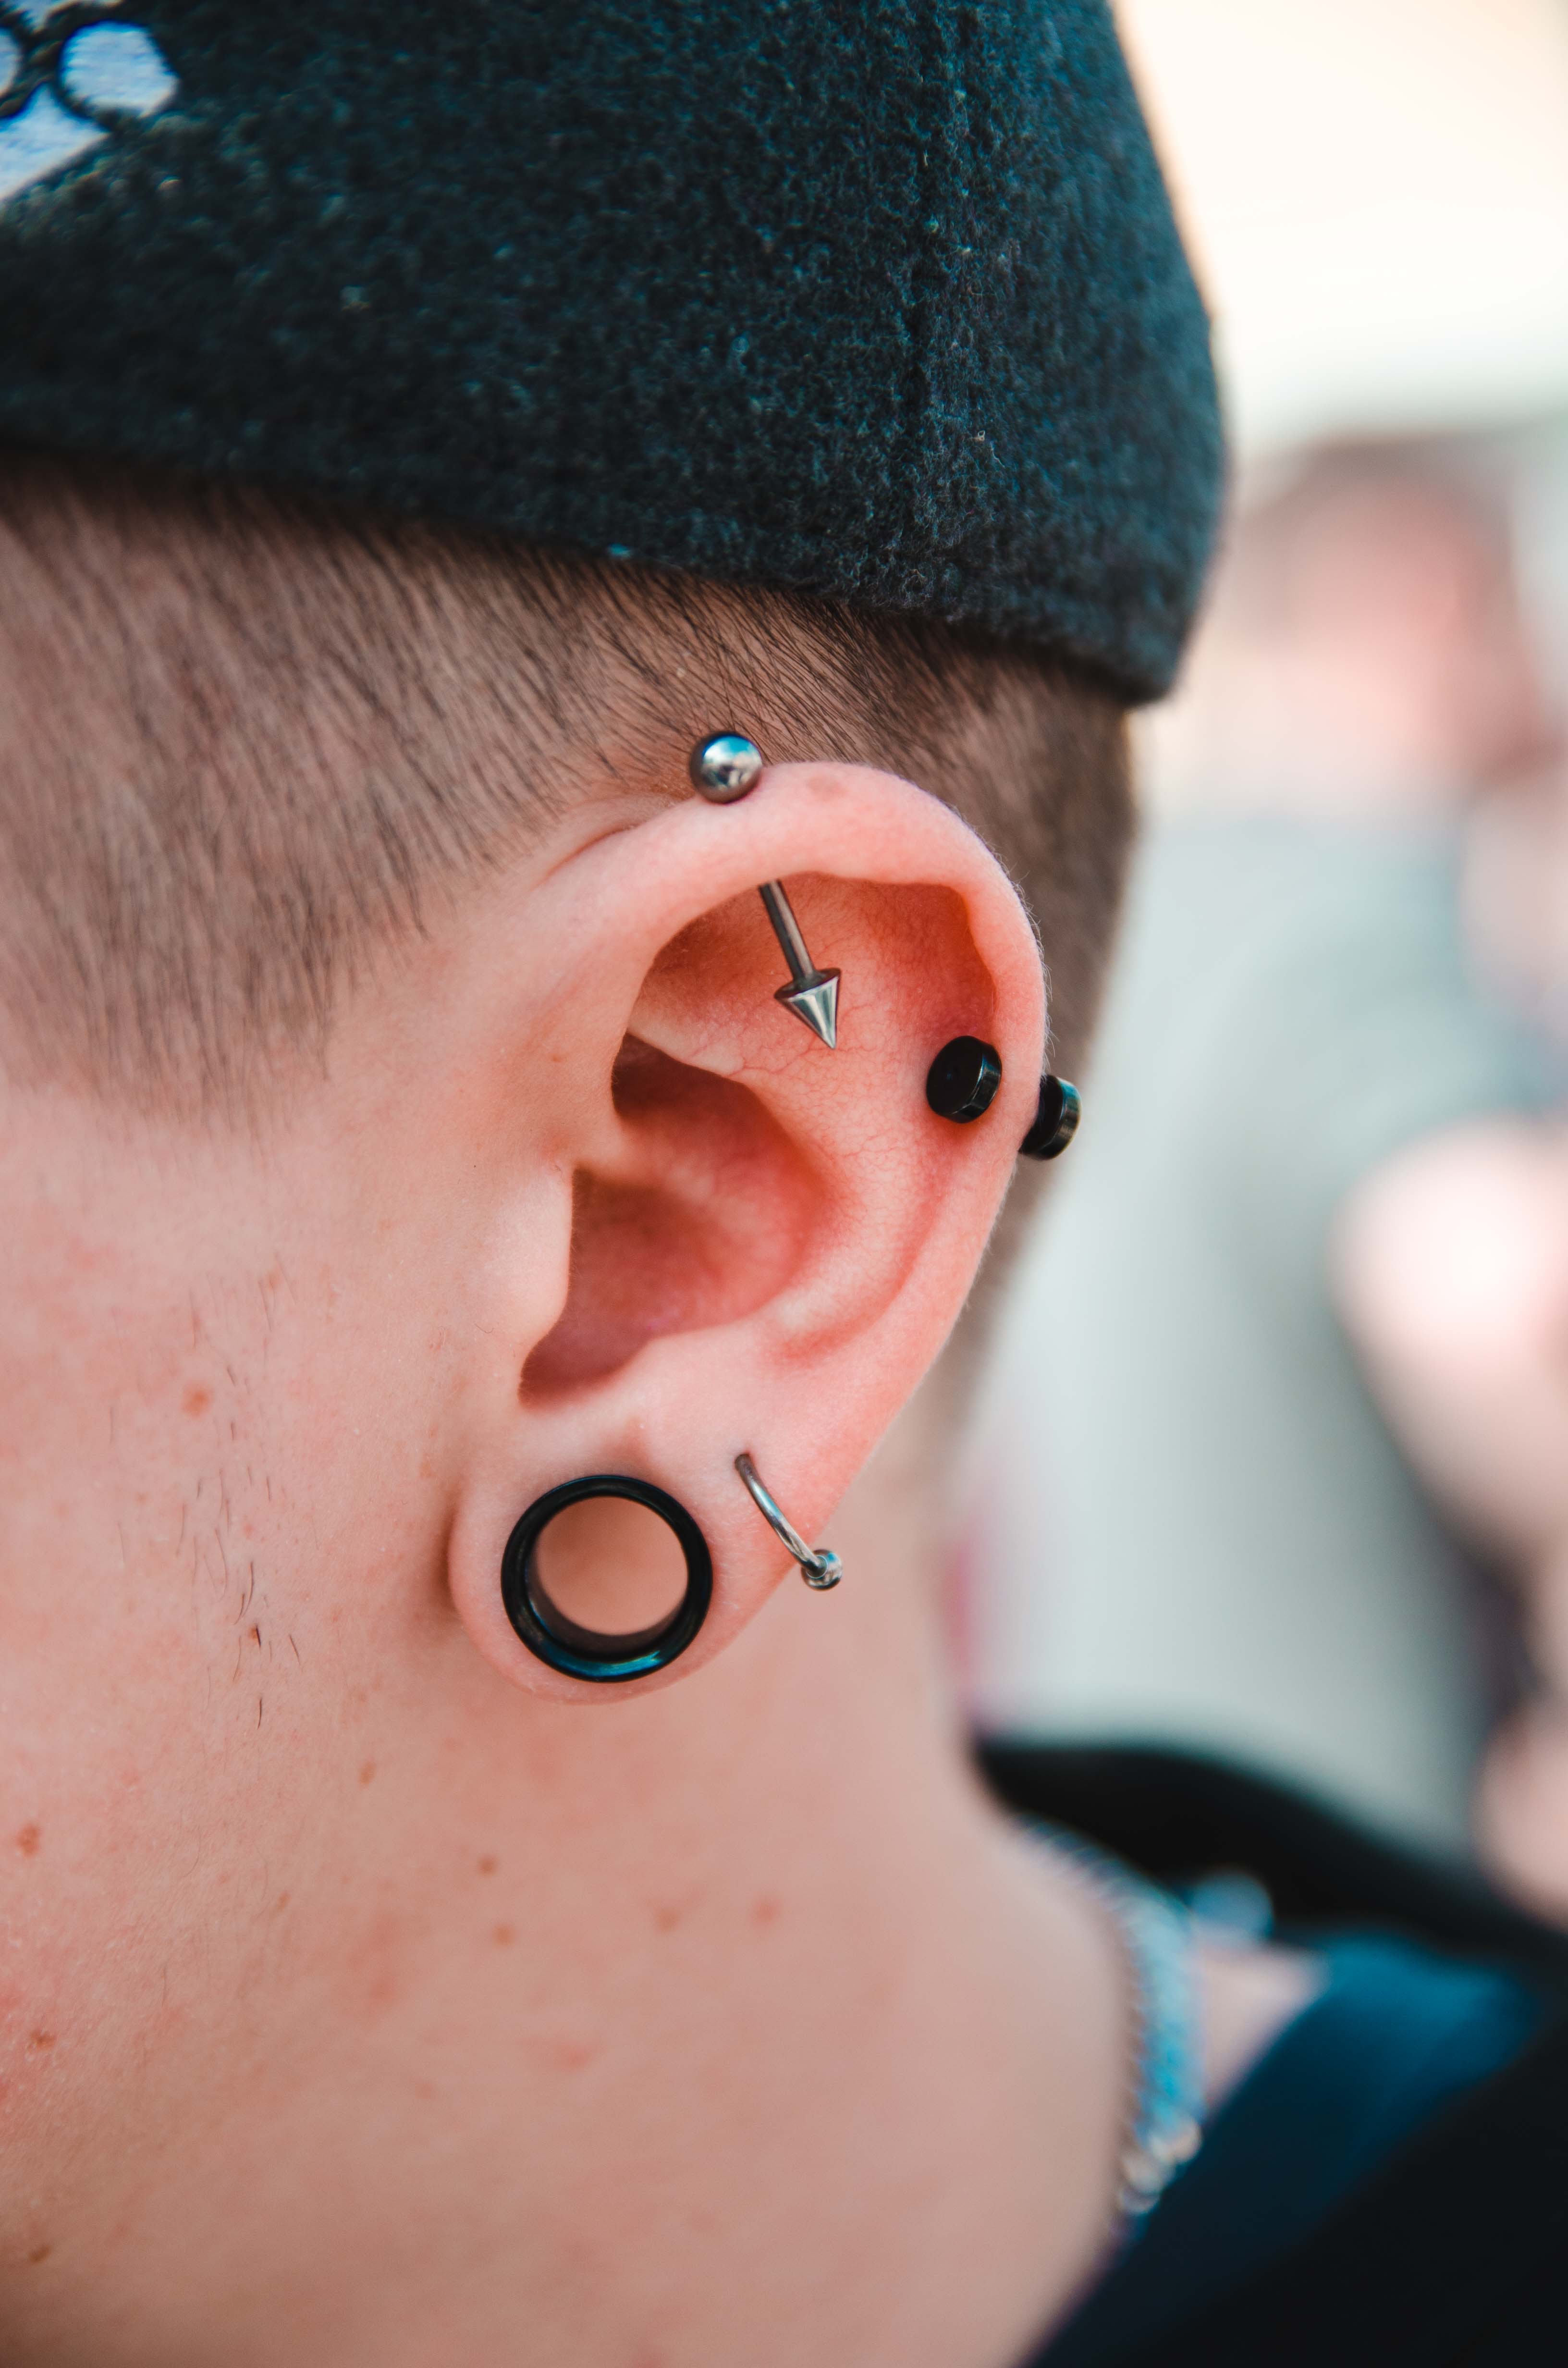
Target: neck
column 720, row 2024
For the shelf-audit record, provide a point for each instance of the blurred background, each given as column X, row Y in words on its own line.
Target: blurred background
column 1272, row 1461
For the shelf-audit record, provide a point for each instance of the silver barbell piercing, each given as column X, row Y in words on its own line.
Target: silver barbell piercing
column 819, row 1569
column 724, row 767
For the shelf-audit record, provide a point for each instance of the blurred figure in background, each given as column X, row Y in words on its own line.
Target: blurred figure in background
column 1242, row 1555
column 1451, row 1274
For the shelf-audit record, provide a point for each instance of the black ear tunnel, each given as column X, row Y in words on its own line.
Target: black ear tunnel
column 580, row 1652
column 1056, row 1119
column 961, row 1082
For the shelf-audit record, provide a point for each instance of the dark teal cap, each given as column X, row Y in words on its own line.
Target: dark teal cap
column 879, row 300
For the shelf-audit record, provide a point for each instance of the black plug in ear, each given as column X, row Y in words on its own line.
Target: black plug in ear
column 1056, row 1119
column 962, row 1080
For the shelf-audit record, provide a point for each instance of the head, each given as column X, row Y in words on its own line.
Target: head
column 399, row 1121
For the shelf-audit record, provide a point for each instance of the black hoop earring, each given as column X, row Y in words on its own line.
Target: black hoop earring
column 588, row 1652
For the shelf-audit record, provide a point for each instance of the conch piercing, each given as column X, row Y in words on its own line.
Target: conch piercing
column 961, row 1085
column 1056, row 1119
column 961, row 1082
column 822, row 1570
column 728, row 767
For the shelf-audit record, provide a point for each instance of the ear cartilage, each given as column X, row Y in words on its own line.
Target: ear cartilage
column 725, row 766
column 1056, row 1119
column 961, row 1082
column 811, row 993
column 819, row 1569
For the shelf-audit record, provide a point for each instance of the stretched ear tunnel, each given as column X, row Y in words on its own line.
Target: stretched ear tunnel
column 589, row 1653
column 553, row 1637
column 728, row 767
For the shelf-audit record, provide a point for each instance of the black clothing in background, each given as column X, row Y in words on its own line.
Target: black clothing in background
column 1396, row 2035
column 1453, row 2251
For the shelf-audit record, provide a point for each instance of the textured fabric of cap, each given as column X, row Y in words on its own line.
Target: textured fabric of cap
column 879, row 299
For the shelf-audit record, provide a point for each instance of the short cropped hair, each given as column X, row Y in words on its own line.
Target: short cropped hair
column 247, row 742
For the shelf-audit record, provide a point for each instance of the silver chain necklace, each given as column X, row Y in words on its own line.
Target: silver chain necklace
column 1164, row 2127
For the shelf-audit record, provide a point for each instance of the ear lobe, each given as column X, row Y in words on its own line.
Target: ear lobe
column 771, row 1241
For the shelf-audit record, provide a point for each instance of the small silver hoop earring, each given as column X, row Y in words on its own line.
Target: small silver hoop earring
column 822, row 1570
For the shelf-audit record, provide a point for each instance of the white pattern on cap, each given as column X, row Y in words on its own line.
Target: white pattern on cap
column 115, row 70
column 110, row 70
column 40, row 141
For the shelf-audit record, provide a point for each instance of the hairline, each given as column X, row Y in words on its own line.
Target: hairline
column 191, row 924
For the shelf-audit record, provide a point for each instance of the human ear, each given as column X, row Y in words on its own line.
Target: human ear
column 737, row 1240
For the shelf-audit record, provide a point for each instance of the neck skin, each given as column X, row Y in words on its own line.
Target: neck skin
column 731, row 2024
column 720, row 2025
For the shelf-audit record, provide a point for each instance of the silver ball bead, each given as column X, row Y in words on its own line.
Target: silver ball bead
column 725, row 767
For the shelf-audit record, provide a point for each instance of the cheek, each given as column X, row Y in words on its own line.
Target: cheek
column 88, row 1812
column 132, row 1553
column 198, row 1596
column 139, row 1842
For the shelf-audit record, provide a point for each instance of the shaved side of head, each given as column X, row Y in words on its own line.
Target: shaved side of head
column 246, row 742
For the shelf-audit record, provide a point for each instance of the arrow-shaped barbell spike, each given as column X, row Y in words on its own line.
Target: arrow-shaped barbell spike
column 811, row 993
column 727, row 767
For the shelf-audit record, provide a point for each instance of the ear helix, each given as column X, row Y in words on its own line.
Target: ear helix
column 962, row 1080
